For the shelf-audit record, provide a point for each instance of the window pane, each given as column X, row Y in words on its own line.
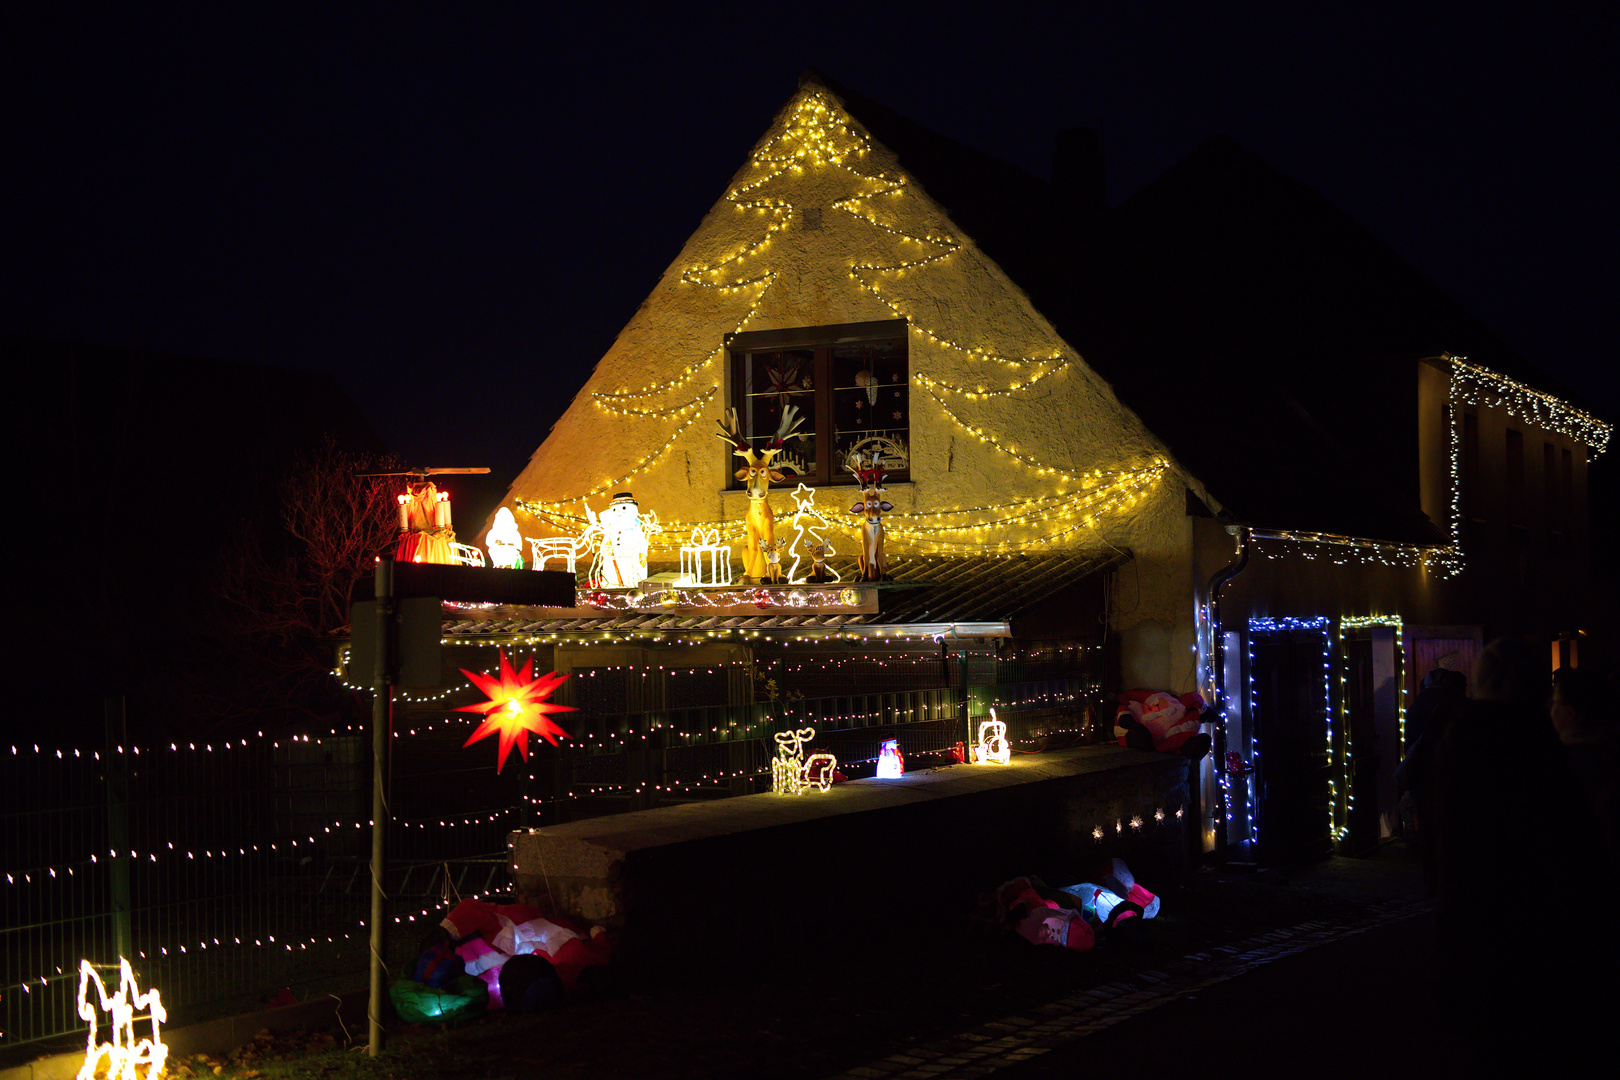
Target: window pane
column 871, row 400
column 775, row 380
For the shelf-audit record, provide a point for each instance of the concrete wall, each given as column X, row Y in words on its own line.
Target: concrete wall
column 765, row 873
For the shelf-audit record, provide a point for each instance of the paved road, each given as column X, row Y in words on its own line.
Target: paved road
column 1354, row 1007
column 1317, row 1000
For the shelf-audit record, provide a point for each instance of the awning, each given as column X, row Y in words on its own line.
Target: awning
column 950, row 596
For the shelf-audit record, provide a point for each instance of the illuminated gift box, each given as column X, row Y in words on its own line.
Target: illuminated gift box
column 705, row 561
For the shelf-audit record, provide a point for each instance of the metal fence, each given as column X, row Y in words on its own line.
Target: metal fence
column 635, row 760
column 224, row 872
column 229, row 871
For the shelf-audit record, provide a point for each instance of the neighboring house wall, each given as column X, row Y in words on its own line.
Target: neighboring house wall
column 1002, row 411
column 1521, row 508
column 1512, row 466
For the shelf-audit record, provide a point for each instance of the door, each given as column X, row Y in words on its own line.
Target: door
column 1288, row 705
column 1372, row 687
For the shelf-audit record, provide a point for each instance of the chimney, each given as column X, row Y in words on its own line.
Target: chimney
column 1077, row 172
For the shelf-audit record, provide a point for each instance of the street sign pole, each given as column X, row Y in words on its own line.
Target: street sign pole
column 382, row 695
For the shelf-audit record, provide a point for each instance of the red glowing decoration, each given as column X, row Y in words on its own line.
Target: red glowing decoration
column 517, row 705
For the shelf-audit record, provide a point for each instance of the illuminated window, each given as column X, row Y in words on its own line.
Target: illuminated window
column 850, row 383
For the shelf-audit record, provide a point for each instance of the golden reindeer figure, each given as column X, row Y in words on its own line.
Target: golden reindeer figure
column 870, row 510
column 761, row 558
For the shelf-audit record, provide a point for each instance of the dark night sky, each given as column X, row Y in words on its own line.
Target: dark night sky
column 454, row 208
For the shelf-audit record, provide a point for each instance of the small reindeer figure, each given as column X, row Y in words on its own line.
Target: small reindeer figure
column 762, row 558
column 794, row 774
column 818, row 563
column 870, row 510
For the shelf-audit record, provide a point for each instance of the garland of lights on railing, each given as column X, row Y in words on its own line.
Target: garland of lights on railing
column 706, row 782
column 206, row 944
column 1110, row 491
column 817, row 135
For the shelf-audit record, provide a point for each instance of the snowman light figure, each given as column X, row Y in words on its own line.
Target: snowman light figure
column 891, row 763
column 622, row 556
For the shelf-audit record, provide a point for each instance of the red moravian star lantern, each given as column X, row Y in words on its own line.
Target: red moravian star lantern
column 518, row 704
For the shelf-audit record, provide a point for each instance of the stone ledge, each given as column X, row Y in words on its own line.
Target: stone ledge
column 771, row 871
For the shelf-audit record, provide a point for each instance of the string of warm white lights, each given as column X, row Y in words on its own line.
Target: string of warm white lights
column 815, row 135
column 225, row 941
column 921, row 527
column 1135, row 823
column 980, row 392
column 1344, row 550
column 1041, row 468
column 1476, row 384
column 610, row 402
column 1469, row 384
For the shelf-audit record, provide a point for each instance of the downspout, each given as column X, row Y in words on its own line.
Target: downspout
column 1223, row 576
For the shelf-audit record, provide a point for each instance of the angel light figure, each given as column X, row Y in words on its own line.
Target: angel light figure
column 504, row 541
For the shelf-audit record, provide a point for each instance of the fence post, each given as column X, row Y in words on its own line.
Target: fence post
column 963, row 703
column 382, row 702
column 118, row 824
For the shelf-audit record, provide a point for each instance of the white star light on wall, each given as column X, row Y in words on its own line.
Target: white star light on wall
column 125, row 1051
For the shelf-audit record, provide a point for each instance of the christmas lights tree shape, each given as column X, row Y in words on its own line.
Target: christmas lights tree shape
column 823, row 226
column 517, row 705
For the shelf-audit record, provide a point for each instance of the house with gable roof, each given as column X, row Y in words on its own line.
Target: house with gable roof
column 1216, row 439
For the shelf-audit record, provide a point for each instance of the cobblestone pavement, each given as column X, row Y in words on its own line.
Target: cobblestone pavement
column 1010, row 1040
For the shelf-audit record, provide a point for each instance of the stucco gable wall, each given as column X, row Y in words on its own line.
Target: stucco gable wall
column 665, row 380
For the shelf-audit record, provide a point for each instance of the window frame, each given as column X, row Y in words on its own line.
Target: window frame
column 821, row 340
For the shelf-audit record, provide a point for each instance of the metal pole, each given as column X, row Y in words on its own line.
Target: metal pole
column 382, row 693
column 118, row 824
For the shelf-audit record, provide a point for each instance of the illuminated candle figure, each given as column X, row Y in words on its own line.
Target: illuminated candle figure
column 424, row 521
column 891, row 763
